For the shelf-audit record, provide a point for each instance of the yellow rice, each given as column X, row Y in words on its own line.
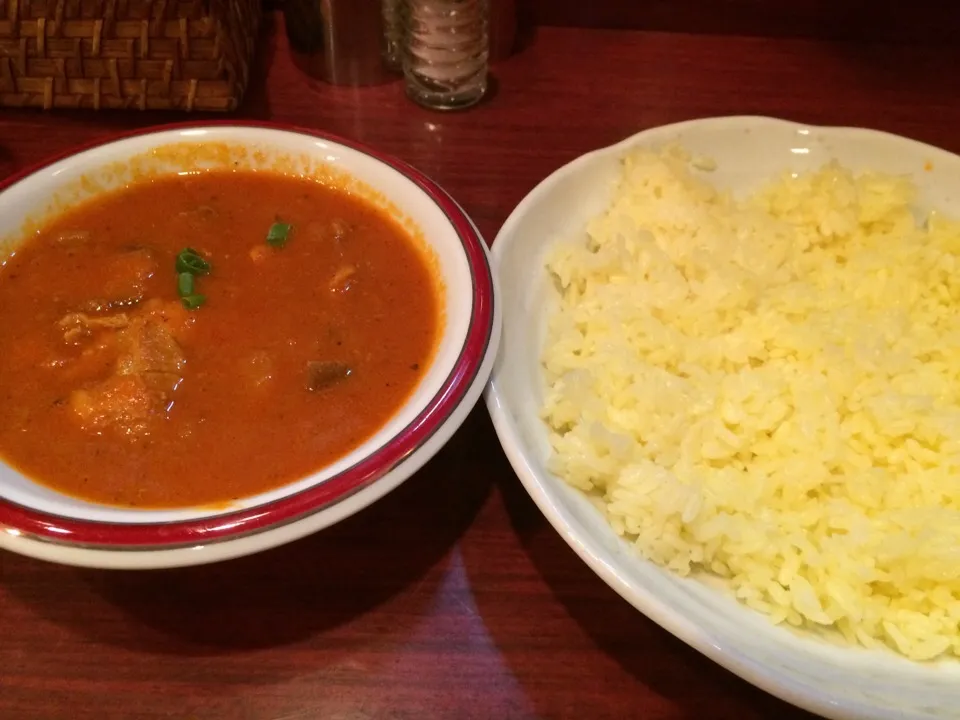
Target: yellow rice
column 767, row 390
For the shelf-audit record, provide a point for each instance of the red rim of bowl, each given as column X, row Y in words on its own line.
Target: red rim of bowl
column 227, row 526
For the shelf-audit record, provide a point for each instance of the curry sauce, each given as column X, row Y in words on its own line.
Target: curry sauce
column 309, row 317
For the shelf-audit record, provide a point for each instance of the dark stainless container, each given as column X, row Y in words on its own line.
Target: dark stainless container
column 341, row 42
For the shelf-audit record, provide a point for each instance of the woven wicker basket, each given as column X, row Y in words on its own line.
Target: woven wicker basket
column 145, row 54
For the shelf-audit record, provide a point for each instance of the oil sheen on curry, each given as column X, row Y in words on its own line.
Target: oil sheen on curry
column 197, row 339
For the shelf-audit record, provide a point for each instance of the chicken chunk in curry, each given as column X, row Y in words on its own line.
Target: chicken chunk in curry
column 147, row 369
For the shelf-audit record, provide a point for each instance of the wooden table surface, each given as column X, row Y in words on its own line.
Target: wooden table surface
column 453, row 597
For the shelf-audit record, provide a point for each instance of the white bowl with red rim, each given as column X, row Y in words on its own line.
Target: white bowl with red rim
column 43, row 523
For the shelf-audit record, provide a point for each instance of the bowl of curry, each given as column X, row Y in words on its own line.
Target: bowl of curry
column 218, row 338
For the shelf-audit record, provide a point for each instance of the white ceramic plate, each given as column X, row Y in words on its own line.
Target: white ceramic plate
column 38, row 521
column 837, row 682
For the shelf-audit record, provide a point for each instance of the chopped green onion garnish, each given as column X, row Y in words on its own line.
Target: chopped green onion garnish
column 278, row 234
column 189, row 265
column 192, row 302
column 190, row 261
column 185, row 284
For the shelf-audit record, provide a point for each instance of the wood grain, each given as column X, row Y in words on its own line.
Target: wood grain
column 920, row 21
column 451, row 598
